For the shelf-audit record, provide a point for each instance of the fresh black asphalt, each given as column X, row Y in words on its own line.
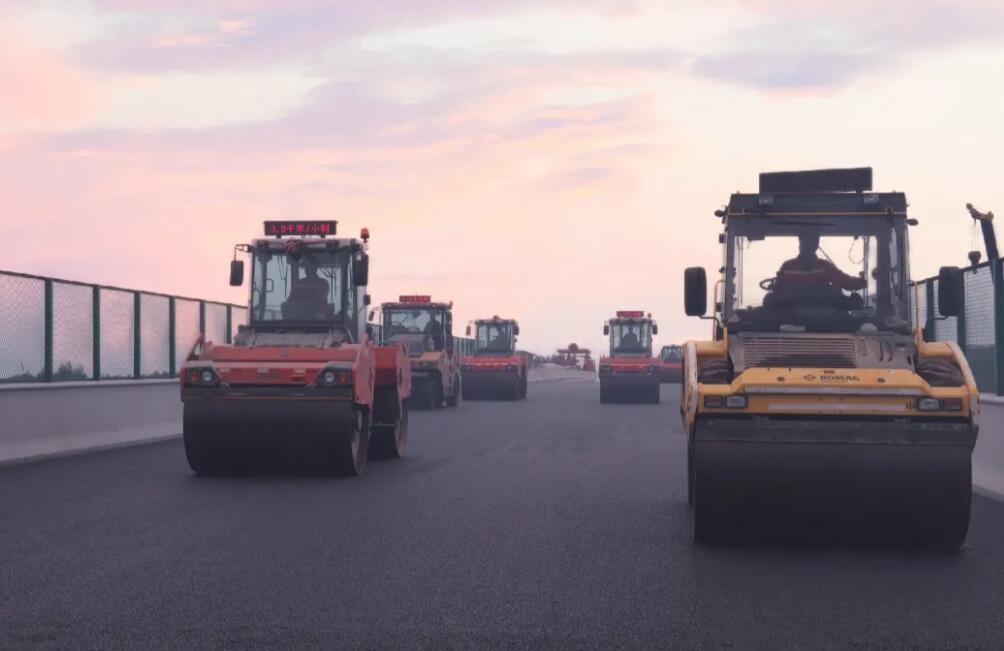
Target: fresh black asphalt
column 551, row 523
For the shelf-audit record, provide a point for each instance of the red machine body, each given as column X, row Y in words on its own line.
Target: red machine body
column 630, row 373
column 495, row 369
column 301, row 383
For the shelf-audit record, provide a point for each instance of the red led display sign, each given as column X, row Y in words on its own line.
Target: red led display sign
column 416, row 299
column 299, row 228
column 630, row 314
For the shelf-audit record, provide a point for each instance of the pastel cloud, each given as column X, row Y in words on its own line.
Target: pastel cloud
column 793, row 46
column 552, row 163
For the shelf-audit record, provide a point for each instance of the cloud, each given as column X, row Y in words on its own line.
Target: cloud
column 203, row 36
column 831, row 45
column 494, row 166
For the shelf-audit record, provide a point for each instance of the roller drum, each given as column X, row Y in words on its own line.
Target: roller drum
column 866, row 483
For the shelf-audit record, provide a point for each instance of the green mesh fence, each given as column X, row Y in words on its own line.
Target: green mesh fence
column 63, row 331
column 974, row 331
column 186, row 328
column 155, row 336
column 22, row 321
column 238, row 317
column 216, row 323
column 117, row 337
column 72, row 332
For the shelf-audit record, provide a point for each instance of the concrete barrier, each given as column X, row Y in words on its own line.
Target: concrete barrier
column 988, row 460
column 44, row 420
column 41, row 420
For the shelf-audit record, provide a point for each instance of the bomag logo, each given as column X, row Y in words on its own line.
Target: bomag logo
column 831, row 377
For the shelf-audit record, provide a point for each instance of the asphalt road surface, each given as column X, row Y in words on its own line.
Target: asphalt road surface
column 552, row 523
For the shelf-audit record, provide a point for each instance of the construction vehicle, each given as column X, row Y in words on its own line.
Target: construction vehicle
column 496, row 370
column 817, row 411
column 671, row 364
column 630, row 373
column 301, row 386
column 425, row 328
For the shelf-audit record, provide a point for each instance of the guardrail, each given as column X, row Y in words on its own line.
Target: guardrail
column 58, row 330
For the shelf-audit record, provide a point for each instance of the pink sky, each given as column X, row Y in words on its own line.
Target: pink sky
column 553, row 162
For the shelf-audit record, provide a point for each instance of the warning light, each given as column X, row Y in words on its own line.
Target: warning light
column 364, row 234
column 630, row 314
column 415, row 299
column 300, row 228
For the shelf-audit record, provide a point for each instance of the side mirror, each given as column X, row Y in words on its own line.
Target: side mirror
column 655, row 328
column 515, row 329
column 606, row 330
column 367, row 299
column 951, row 290
column 372, row 314
column 468, row 331
column 695, row 291
column 236, row 273
column 361, row 269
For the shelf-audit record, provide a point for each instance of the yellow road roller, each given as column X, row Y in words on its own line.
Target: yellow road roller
column 817, row 411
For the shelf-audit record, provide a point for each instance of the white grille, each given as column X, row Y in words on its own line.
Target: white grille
column 815, row 351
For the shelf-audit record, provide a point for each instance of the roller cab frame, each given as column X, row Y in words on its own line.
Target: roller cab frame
column 425, row 328
column 495, row 370
column 301, row 386
column 817, row 410
column 629, row 373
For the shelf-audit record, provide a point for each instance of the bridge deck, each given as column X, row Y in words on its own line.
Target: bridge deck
column 555, row 522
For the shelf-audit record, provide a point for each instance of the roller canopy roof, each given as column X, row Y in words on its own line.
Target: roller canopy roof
column 818, row 192
column 818, row 203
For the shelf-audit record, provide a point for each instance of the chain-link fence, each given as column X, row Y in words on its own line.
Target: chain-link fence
column 59, row 331
column 975, row 330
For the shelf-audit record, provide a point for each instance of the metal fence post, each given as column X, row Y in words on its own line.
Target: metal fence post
column 230, row 321
column 96, row 327
column 202, row 317
column 172, row 344
column 137, row 367
column 961, row 335
column 930, row 334
column 47, row 369
column 997, row 269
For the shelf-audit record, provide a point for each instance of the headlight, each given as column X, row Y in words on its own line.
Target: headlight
column 654, row 369
column 335, row 377
column 729, row 402
column 934, row 404
column 735, row 402
column 510, row 367
column 204, row 377
column 952, row 404
column 467, row 367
